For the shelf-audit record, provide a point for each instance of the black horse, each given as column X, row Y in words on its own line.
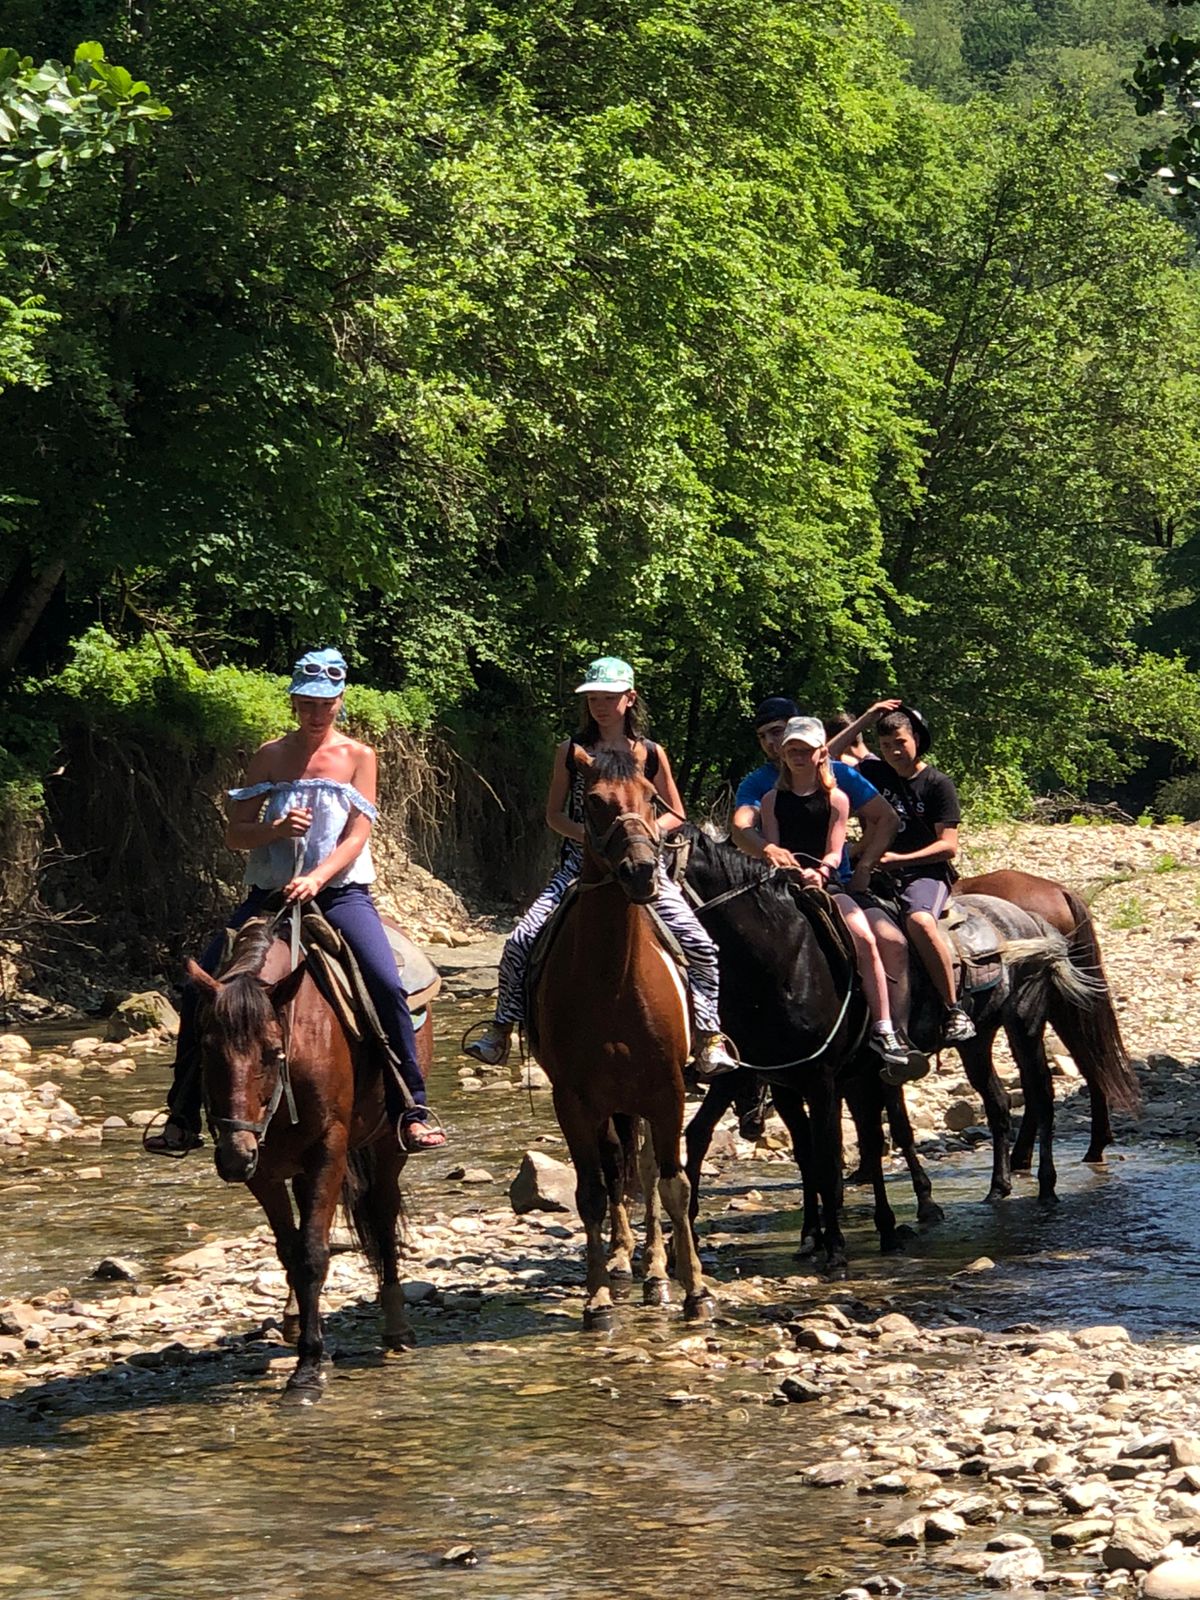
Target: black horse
column 792, row 1003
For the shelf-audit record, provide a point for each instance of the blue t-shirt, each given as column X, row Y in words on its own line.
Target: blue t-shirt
column 857, row 789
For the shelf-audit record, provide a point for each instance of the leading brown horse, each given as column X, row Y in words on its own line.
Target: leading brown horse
column 1092, row 1033
column 338, row 1142
column 611, row 1016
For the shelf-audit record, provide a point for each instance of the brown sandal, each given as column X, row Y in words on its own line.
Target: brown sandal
column 173, row 1140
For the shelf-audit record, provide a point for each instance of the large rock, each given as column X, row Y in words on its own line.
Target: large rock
column 542, row 1184
column 1176, row 1579
column 15, row 1047
column 1136, row 1543
column 142, row 1012
column 1185, row 1450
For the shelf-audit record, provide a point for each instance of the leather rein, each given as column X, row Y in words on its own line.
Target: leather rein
column 279, row 1058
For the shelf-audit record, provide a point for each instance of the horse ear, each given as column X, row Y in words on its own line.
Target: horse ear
column 203, row 980
column 284, row 992
column 583, row 758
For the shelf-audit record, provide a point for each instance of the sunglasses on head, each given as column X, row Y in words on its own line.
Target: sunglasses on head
column 311, row 669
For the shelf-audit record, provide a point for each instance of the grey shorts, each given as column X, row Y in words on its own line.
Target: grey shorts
column 924, row 894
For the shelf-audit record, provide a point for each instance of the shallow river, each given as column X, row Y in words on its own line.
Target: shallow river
column 566, row 1473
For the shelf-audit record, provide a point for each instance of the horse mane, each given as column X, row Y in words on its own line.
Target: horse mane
column 242, row 1007
column 736, row 870
column 614, row 766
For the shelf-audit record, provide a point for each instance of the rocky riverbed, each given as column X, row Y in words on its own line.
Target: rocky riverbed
column 1012, row 1404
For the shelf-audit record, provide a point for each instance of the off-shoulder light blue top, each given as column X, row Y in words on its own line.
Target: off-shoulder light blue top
column 272, row 865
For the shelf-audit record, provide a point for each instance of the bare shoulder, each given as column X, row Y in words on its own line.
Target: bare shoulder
column 840, row 801
column 267, row 761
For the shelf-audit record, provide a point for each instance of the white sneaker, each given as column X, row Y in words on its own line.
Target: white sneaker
column 492, row 1045
column 711, row 1058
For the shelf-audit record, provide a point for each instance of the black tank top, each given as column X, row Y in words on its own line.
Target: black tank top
column 803, row 824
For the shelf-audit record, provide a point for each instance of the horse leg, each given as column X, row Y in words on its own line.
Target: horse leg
column 790, row 1106
column 675, row 1191
column 976, row 1056
column 929, row 1213
column 656, row 1287
column 614, row 1161
column 825, row 1103
column 377, row 1210
column 1029, row 1051
column 1102, row 1134
column 1021, row 1159
column 591, row 1200
column 317, row 1192
column 272, row 1195
column 718, row 1098
column 867, row 1110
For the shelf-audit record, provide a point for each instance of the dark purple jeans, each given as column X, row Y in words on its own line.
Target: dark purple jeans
column 351, row 910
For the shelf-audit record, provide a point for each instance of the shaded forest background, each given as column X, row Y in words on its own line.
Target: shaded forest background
column 776, row 345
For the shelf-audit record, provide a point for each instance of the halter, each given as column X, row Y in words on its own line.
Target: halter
column 283, row 1086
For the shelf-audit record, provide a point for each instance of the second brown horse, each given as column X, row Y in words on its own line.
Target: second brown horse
column 612, row 1026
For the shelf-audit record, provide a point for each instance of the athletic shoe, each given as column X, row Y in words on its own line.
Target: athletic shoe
column 711, row 1058
column 492, row 1045
column 902, row 1063
column 958, row 1027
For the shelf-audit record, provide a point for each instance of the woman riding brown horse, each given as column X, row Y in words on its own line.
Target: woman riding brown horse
column 612, row 1027
column 268, row 1040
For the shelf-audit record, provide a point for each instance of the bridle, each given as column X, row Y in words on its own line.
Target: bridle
column 218, row 1126
column 600, row 842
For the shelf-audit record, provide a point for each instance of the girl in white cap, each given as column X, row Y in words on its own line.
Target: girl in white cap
column 805, row 814
column 612, row 720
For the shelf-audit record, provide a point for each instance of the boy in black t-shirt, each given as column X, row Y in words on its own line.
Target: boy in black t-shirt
column 921, row 860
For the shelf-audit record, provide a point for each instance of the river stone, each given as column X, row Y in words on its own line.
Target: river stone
column 142, row 1012
column 1014, row 1569
column 831, row 1474
column 943, row 1526
column 1136, row 1542
column 1000, row 1542
column 1175, row 1579
column 960, row 1115
column 1184, row 1451
column 1080, row 1532
column 207, row 1258
column 117, row 1267
column 533, row 1077
column 909, row 1532
column 11, row 1349
column 1094, row 1338
column 81, row 1049
column 14, row 1046
column 542, row 1184
column 823, row 1339
column 1084, row 1497
column 1154, row 1444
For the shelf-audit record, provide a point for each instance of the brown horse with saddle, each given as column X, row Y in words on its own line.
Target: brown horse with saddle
column 294, row 1095
column 611, row 1025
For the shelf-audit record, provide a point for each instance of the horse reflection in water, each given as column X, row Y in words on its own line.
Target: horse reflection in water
column 612, row 1027
column 340, row 1144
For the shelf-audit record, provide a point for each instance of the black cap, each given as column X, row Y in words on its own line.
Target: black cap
column 777, row 707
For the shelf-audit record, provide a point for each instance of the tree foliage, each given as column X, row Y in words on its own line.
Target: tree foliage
column 489, row 336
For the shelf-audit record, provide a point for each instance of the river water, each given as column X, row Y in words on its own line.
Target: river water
column 554, row 1457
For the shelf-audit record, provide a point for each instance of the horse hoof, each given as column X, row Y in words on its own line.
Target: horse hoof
column 400, row 1339
column 620, row 1285
column 930, row 1214
column 598, row 1319
column 836, row 1271
column 699, row 1308
column 1094, row 1158
column 656, row 1292
column 806, row 1248
column 995, row 1194
column 304, row 1387
column 1050, row 1198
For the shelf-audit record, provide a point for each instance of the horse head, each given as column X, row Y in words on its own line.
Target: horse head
column 242, row 1057
column 619, row 822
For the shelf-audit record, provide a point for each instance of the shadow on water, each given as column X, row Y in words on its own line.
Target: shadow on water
column 552, row 1453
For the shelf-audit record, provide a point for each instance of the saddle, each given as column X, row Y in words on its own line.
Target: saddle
column 544, row 942
column 975, row 946
column 337, row 975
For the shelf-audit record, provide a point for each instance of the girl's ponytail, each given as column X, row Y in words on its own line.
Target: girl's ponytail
column 825, row 775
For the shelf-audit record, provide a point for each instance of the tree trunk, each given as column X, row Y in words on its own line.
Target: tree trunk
column 27, row 596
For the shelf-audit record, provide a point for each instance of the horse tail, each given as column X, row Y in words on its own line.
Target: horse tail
column 1092, row 1033
column 362, row 1175
column 1051, row 952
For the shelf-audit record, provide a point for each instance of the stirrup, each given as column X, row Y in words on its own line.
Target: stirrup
column 475, row 1047
column 190, row 1140
column 430, row 1119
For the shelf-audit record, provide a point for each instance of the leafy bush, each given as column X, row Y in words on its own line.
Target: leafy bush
column 157, row 689
column 1179, row 798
